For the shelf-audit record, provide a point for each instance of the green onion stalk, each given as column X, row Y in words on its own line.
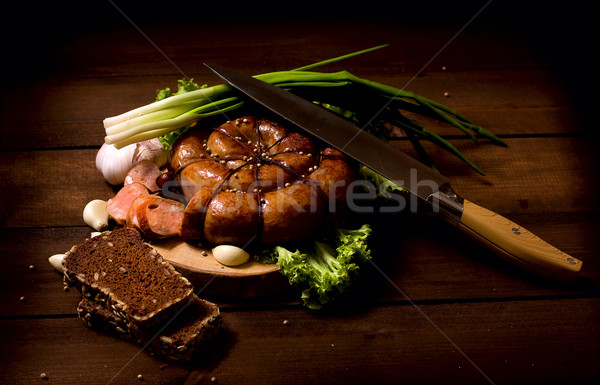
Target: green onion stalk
column 375, row 107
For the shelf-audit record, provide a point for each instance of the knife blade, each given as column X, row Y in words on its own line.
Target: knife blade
column 501, row 235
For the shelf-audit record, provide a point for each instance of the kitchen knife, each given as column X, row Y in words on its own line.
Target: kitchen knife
column 506, row 238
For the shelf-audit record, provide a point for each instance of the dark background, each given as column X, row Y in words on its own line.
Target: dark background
column 563, row 32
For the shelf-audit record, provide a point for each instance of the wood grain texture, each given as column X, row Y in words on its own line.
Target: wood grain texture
column 197, row 264
column 515, row 181
column 423, row 344
column 532, row 175
column 432, row 306
column 67, row 114
column 443, row 268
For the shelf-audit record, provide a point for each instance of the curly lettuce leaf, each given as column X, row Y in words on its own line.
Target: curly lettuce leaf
column 326, row 268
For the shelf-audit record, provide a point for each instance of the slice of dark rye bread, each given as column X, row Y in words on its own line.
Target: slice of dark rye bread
column 179, row 340
column 130, row 279
column 129, row 276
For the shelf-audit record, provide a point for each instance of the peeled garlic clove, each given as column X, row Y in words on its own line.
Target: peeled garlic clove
column 95, row 215
column 56, row 262
column 229, row 255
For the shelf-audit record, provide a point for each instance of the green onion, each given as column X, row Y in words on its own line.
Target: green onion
column 373, row 106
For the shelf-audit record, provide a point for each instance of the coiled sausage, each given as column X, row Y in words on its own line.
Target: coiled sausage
column 252, row 180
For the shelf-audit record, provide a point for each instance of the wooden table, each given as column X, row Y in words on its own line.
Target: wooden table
column 433, row 307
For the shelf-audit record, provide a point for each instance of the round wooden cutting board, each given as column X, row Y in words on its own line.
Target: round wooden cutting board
column 209, row 277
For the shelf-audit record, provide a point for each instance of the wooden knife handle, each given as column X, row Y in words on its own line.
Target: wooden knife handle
column 517, row 244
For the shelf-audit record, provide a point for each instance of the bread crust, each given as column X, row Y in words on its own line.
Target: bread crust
column 97, row 268
column 180, row 340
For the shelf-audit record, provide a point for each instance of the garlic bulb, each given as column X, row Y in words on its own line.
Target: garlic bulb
column 114, row 164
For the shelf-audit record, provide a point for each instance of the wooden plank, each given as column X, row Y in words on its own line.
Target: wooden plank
column 49, row 188
column 421, row 258
column 503, row 342
column 40, row 286
column 70, row 113
column 511, row 327
column 418, row 33
column 532, row 175
column 69, row 353
column 503, row 122
column 415, row 257
column 98, row 78
column 410, row 47
column 398, row 345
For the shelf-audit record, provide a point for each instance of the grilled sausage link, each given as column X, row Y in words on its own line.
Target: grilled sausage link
column 203, row 173
column 290, row 214
column 333, row 178
column 188, row 148
column 231, row 218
